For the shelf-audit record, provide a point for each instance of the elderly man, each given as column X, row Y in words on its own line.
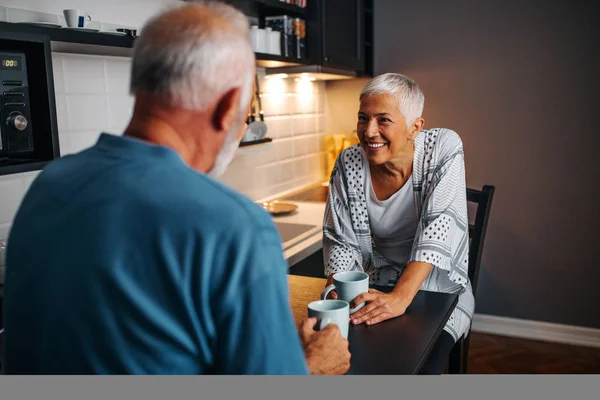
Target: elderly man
column 141, row 262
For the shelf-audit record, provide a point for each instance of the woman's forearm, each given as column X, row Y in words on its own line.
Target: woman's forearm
column 411, row 280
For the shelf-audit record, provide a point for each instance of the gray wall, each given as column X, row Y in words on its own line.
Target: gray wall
column 519, row 82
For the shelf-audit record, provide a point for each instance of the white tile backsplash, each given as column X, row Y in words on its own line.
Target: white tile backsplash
column 87, row 112
column 61, row 112
column 117, row 75
column 321, row 123
column 85, row 74
column 11, row 188
column 304, row 124
column 120, row 108
column 294, row 122
column 80, row 140
column 305, row 104
column 284, row 149
column 57, row 67
column 287, row 171
column 5, row 229
column 28, row 179
column 285, row 127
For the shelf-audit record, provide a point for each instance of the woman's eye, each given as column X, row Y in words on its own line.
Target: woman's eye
column 384, row 120
column 362, row 118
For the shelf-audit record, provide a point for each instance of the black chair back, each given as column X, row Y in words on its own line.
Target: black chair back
column 477, row 230
column 457, row 363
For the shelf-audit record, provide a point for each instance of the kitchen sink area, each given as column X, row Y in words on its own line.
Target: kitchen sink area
column 294, row 233
column 301, row 231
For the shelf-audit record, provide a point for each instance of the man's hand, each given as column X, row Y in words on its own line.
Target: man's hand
column 326, row 351
column 380, row 306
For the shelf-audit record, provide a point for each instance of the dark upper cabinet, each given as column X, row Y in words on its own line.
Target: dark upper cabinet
column 342, row 24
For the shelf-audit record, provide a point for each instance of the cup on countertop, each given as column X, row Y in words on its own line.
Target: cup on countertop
column 348, row 285
column 76, row 18
column 331, row 312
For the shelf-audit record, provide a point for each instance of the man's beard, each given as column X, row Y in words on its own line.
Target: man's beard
column 227, row 153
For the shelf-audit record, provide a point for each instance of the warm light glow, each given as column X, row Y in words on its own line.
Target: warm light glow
column 275, row 86
column 304, row 90
column 277, row 76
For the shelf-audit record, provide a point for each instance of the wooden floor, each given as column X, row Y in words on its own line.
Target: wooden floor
column 489, row 354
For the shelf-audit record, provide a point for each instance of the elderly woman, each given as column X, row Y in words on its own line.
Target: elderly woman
column 397, row 210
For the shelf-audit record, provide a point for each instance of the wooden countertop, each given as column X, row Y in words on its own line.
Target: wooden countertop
column 304, row 290
column 398, row 346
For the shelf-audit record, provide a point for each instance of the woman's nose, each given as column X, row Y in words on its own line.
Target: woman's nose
column 372, row 129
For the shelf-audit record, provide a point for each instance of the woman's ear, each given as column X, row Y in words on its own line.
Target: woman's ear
column 416, row 127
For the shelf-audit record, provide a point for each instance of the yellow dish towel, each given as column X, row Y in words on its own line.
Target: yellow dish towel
column 334, row 144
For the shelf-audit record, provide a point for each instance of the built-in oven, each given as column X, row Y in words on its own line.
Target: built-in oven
column 28, row 128
column 16, row 129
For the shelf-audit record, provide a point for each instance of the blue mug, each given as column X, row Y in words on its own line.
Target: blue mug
column 331, row 312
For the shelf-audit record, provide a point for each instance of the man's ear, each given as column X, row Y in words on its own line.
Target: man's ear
column 226, row 111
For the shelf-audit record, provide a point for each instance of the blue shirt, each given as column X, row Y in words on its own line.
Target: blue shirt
column 123, row 260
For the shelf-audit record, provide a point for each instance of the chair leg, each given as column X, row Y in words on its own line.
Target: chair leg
column 465, row 354
column 455, row 359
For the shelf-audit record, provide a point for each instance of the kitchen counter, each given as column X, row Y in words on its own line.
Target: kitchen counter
column 311, row 209
column 307, row 213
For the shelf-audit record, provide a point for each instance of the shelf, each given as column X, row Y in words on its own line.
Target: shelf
column 284, row 8
column 70, row 36
column 256, row 142
column 255, row 145
column 69, row 41
column 273, row 61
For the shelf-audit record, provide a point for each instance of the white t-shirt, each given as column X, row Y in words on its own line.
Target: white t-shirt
column 393, row 221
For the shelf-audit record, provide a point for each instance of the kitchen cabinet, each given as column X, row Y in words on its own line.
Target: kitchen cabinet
column 342, row 23
column 312, row 266
column 339, row 33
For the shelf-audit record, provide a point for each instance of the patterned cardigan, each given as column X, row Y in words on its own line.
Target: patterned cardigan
column 442, row 236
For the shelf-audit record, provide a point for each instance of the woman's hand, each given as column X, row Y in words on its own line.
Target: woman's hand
column 331, row 295
column 380, row 307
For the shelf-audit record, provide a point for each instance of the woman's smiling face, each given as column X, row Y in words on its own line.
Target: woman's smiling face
column 382, row 129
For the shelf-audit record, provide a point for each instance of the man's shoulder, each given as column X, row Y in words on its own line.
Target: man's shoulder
column 216, row 201
column 171, row 192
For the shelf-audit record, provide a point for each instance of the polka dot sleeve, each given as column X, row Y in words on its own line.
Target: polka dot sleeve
column 341, row 250
column 442, row 236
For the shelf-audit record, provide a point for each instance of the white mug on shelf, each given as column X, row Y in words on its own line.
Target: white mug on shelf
column 274, row 42
column 76, row 18
column 254, row 38
column 263, row 41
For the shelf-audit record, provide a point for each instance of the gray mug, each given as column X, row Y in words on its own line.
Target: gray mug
column 348, row 285
column 331, row 312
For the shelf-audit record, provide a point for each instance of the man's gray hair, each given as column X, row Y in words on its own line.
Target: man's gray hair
column 407, row 92
column 192, row 54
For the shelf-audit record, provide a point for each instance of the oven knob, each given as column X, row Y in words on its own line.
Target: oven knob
column 17, row 121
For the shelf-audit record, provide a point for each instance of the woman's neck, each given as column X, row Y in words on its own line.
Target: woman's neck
column 399, row 168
